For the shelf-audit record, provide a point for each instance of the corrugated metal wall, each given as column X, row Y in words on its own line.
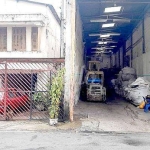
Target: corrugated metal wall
column 113, row 60
column 140, row 60
column 128, row 53
column 105, row 63
column 137, row 34
column 128, row 42
column 146, row 56
column 137, row 61
column 121, row 57
column 147, row 32
column 128, row 50
column 117, row 59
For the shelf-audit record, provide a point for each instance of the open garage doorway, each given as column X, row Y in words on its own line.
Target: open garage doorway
column 115, row 34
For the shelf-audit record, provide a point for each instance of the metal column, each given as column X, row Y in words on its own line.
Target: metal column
column 124, row 52
column 143, row 35
column 131, row 49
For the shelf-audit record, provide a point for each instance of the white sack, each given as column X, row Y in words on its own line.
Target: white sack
column 137, row 90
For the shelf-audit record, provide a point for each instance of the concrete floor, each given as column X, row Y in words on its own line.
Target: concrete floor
column 115, row 116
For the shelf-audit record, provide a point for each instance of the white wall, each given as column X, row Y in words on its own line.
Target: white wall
column 79, row 54
column 128, row 42
column 49, row 34
column 105, row 61
column 128, row 53
column 141, row 61
column 117, row 58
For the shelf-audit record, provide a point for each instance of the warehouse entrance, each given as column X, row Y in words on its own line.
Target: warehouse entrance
column 115, row 34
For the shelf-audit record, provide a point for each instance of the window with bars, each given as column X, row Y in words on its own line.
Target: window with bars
column 18, row 38
column 34, row 38
column 3, row 38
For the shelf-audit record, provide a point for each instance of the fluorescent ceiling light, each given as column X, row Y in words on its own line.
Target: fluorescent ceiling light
column 107, row 48
column 113, row 46
column 94, row 34
column 101, row 35
column 102, row 42
column 114, row 34
column 96, row 48
column 108, row 25
column 112, row 9
column 97, row 52
column 104, row 35
column 102, row 48
column 122, row 20
column 98, row 20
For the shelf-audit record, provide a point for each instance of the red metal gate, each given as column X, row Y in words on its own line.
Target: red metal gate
column 24, row 84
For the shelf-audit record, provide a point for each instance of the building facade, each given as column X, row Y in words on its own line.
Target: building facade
column 28, row 30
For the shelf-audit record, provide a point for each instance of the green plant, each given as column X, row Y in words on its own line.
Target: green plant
column 39, row 97
column 55, row 93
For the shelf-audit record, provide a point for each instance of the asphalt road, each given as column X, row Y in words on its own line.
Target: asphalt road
column 70, row 140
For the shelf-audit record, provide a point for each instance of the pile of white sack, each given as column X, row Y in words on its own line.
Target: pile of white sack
column 126, row 76
column 137, row 90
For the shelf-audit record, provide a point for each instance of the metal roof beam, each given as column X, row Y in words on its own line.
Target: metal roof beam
column 116, row 2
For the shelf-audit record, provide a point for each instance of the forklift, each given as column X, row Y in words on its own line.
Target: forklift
column 94, row 80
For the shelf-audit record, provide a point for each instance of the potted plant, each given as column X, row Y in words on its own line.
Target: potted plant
column 55, row 94
column 39, row 100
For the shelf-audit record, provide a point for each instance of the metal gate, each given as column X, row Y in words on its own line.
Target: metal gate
column 24, row 87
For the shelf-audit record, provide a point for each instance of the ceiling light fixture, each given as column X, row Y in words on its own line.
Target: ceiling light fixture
column 102, row 48
column 97, row 48
column 98, row 52
column 98, row 20
column 104, row 35
column 94, row 34
column 108, row 25
column 119, row 20
column 122, row 20
column 114, row 34
column 113, row 9
column 102, row 43
column 113, row 46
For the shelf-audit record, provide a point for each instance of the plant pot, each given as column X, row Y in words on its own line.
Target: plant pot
column 53, row 121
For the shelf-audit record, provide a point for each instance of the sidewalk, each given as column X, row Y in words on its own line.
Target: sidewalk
column 116, row 116
column 27, row 125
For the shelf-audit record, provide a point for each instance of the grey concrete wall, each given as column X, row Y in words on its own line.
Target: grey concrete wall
column 73, row 56
column 139, row 59
column 79, row 55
